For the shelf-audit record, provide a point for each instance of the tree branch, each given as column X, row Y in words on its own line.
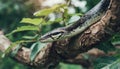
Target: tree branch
column 70, row 50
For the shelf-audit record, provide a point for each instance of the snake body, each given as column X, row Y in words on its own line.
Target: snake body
column 82, row 24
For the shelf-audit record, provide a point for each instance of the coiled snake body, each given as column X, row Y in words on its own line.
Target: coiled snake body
column 82, row 24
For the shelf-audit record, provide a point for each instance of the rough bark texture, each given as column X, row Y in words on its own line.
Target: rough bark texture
column 71, row 50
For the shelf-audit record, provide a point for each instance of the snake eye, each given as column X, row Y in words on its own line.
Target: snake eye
column 56, row 35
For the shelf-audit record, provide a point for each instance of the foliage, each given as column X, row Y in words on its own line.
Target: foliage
column 103, row 61
column 68, row 66
column 114, row 65
column 11, row 12
column 36, row 47
column 35, row 21
column 8, row 63
column 46, row 12
column 27, row 31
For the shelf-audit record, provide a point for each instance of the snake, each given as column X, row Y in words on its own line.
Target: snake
column 85, row 21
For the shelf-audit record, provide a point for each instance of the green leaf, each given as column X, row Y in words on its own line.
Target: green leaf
column 103, row 61
column 57, row 20
column 35, row 21
column 114, row 65
column 69, row 66
column 36, row 47
column 116, row 43
column 30, row 37
column 73, row 19
column 45, row 12
column 13, row 45
column 24, row 28
column 17, row 44
column 59, row 6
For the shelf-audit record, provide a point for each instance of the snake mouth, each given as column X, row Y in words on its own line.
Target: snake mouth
column 45, row 39
column 42, row 40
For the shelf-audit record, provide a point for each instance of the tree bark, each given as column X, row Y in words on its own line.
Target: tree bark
column 71, row 50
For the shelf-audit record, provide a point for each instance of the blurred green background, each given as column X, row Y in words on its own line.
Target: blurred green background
column 11, row 13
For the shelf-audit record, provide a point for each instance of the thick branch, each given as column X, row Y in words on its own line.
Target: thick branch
column 69, row 50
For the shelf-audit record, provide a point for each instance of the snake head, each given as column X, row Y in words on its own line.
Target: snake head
column 54, row 35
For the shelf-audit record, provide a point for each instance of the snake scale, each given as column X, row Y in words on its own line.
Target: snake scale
column 81, row 25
